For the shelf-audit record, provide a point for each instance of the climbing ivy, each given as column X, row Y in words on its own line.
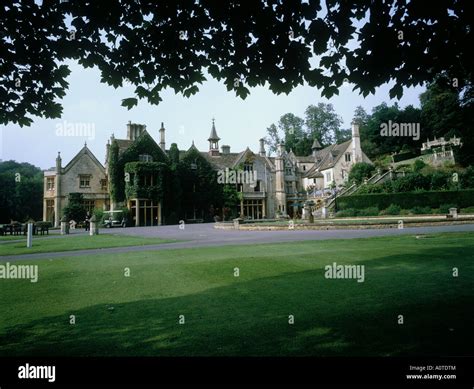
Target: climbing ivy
column 136, row 187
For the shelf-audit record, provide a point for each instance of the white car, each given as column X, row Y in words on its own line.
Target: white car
column 114, row 219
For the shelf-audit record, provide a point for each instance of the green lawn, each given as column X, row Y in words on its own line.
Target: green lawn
column 248, row 315
column 21, row 237
column 77, row 242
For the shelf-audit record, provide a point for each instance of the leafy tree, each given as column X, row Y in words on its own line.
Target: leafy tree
column 157, row 45
column 75, row 209
column 342, row 135
column 290, row 130
column 360, row 171
column 21, row 192
column 374, row 144
column 360, row 116
column 447, row 112
column 322, row 123
column 231, row 199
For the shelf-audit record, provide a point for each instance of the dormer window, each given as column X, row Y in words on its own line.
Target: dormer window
column 145, row 158
column 248, row 167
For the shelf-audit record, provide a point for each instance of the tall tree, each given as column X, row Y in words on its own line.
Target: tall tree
column 447, row 112
column 21, row 192
column 289, row 129
column 322, row 123
column 158, row 44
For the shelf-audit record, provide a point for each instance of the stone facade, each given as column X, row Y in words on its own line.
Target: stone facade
column 279, row 185
column 83, row 174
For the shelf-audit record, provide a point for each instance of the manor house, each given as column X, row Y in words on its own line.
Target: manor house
column 279, row 187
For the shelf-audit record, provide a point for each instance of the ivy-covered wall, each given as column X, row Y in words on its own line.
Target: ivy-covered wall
column 145, row 144
column 199, row 186
column 135, row 186
column 181, row 186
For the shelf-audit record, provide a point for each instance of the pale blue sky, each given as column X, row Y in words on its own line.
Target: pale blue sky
column 239, row 123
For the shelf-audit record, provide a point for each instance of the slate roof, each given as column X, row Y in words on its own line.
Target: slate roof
column 123, row 144
column 327, row 158
column 84, row 151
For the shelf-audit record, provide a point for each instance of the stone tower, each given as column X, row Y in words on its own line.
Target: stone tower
column 280, row 179
column 57, row 202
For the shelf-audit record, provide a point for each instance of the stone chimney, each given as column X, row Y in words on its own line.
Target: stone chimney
column 281, row 149
column 356, row 149
column 134, row 130
column 262, row 151
column 162, row 137
column 225, row 149
column 58, row 163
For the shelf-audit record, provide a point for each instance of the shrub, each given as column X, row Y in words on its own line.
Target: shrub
column 418, row 165
column 361, row 171
column 444, row 208
column 420, row 210
column 432, row 199
column 411, row 182
column 439, row 180
column 99, row 214
column 75, row 209
column 369, row 211
column 467, row 178
column 467, row 210
column 346, row 213
column 370, row 188
column 392, row 209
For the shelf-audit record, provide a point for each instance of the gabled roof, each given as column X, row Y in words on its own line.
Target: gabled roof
column 328, row 157
column 84, row 151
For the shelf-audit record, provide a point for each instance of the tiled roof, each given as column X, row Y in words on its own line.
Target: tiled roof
column 308, row 159
column 327, row 157
column 123, row 144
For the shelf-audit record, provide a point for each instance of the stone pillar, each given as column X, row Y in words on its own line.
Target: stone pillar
column 159, row 213
column 453, row 212
column 94, row 226
column 57, row 188
column 64, row 226
column 29, row 236
column 264, row 208
column 137, row 213
column 237, row 223
column 324, row 212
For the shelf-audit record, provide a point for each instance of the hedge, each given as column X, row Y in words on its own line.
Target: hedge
column 407, row 200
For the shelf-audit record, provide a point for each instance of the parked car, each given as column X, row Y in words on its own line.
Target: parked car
column 114, row 219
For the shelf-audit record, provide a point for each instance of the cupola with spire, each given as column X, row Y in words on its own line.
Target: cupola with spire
column 213, row 141
column 316, row 146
